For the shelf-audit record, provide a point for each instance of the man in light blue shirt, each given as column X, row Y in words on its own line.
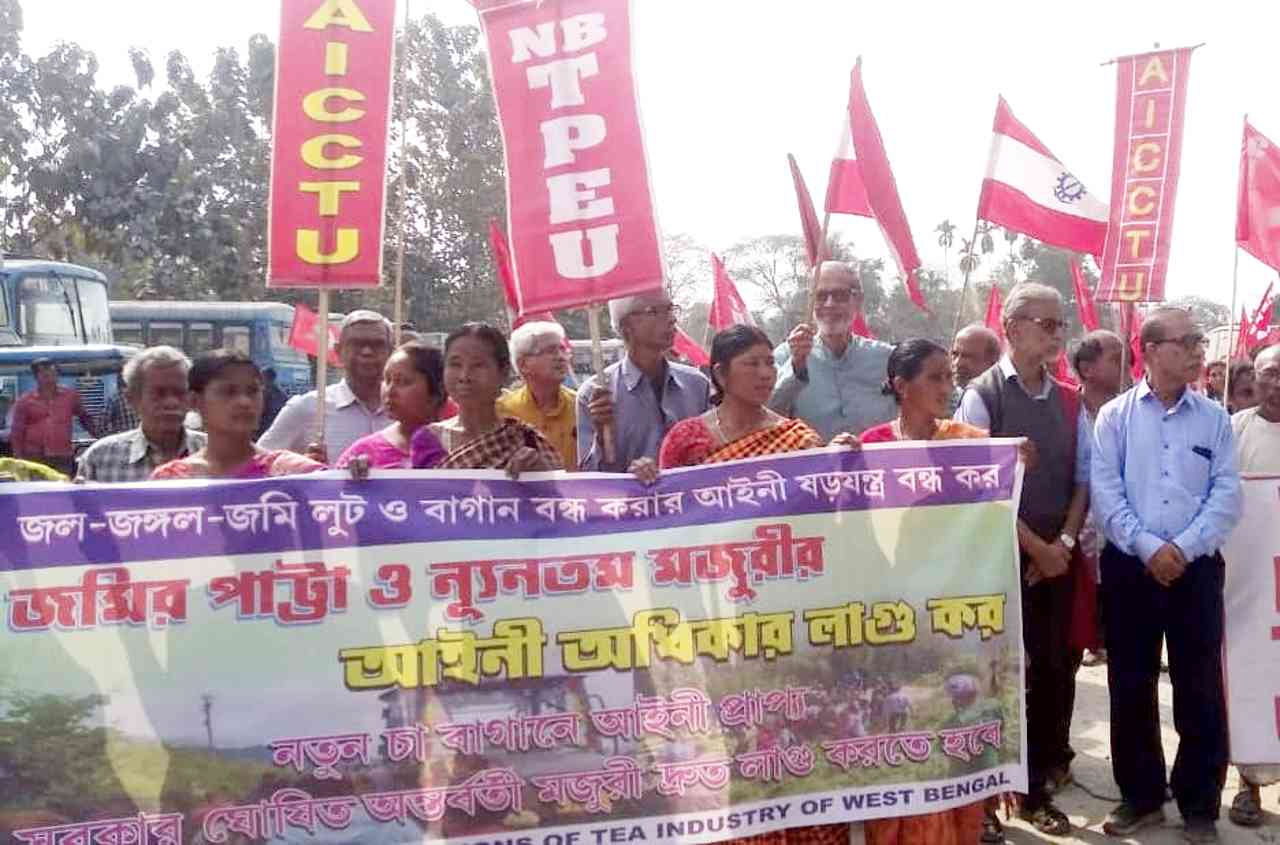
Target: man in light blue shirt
column 1166, row 491
column 644, row 394
column 833, row 381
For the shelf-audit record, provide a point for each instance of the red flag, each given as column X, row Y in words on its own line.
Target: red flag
column 1028, row 190
column 510, row 290
column 995, row 312
column 1260, row 322
column 1084, row 297
column 1258, row 198
column 882, row 190
column 687, row 348
column 858, row 325
column 845, row 192
column 1062, row 370
column 1240, row 348
column 813, row 245
column 302, row 334
column 727, row 307
column 1132, row 330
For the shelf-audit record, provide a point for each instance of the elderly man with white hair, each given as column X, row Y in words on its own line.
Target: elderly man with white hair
column 353, row 406
column 541, row 355
column 642, row 395
column 156, row 380
column 828, row 376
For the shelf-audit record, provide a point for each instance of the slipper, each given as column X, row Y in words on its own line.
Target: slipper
column 1246, row 809
column 1047, row 819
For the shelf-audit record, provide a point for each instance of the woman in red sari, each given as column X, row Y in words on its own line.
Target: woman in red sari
column 226, row 390
column 739, row 425
column 921, row 381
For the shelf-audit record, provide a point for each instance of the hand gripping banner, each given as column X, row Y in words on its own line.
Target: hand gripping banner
column 427, row 656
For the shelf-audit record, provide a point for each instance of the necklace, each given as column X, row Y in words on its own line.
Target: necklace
column 720, row 429
column 901, row 434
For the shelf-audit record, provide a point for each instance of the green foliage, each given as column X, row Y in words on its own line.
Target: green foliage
column 46, row 748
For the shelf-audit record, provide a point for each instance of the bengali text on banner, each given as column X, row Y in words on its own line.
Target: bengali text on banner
column 455, row 655
column 1151, row 102
column 329, row 143
column 581, row 213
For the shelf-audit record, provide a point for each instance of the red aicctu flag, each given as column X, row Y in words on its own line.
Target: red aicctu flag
column 1084, row 297
column 809, row 225
column 858, row 325
column 727, row 307
column 882, row 190
column 302, row 334
column 1258, row 198
column 687, row 348
column 995, row 312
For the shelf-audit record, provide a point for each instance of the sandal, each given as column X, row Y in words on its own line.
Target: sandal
column 1047, row 819
column 1246, row 809
column 992, row 830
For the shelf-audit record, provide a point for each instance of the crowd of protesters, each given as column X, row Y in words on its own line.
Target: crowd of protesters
column 1128, row 493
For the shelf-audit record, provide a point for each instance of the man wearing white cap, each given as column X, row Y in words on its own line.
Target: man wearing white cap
column 353, row 406
column 644, row 394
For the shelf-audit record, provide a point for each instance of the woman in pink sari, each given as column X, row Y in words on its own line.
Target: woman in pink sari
column 412, row 393
column 226, row 389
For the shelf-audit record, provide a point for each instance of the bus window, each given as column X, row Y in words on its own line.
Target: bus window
column 237, row 338
column 199, row 338
column 47, row 311
column 165, row 334
column 280, row 348
column 95, row 309
column 129, row 333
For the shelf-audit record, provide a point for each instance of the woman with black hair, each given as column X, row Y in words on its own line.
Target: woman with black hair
column 412, row 394
column 226, row 390
column 477, row 363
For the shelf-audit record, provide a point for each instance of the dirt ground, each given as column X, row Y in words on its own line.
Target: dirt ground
column 1094, row 793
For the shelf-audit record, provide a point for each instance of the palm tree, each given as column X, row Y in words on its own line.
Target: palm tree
column 987, row 241
column 969, row 259
column 946, row 237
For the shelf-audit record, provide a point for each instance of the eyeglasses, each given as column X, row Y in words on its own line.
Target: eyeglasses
column 838, row 297
column 1050, row 325
column 1267, row 376
column 665, row 312
column 558, row 349
column 1189, row 341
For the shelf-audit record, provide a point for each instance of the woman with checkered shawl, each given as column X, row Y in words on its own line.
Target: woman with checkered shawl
column 477, row 363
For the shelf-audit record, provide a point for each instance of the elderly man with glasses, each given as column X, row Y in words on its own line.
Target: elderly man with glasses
column 642, row 395
column 827, row 376
column 542, row 356
column 1167, row 489
column 1019, row 398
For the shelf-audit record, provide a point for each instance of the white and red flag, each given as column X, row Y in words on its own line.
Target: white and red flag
column 881, row 189
column 1151, row 104
column 1028, row 190
column 845, row 192
column 1260, row 320
column 1258, row 201
column 727, row 307
column 1084, row 297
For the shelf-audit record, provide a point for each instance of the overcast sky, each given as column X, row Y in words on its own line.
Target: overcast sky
column 728, row 88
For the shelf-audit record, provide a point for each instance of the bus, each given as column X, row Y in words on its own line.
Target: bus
column 258, row 329
column 51, row 309
column 613, row 349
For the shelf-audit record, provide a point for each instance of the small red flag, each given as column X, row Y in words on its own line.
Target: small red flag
column 1240, row 348
column 727, row 307
column 1258, row 198
column 302, row 334
column 995, row 312
column 813, row 245
column 1084, row 297
column 858, row 325
column 1062, row 370
column 1132, row 329
column 687, row 348
column 1260, row 321
column 882, row 190
column 510, row 291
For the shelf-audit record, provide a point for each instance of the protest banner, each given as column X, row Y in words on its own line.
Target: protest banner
column 1151, row 104
column 580, row 209
column 455, row 655
column 329, row 143
column 1252, row 610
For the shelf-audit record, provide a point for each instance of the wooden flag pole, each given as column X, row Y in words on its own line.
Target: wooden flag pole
column 404, row 131
column 597, row 364
column 322, row 361
column 964, row 288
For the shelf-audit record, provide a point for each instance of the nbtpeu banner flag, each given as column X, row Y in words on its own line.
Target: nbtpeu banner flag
column 429, row 656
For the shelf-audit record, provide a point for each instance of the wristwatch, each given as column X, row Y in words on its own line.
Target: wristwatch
column 1068, row 541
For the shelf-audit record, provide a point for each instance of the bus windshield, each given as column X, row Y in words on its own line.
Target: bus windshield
column 280, row 348
column 63, row 311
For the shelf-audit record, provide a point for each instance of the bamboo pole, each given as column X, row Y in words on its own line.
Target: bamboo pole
column 322, row 361
column 404, row 131
column 1235, row 282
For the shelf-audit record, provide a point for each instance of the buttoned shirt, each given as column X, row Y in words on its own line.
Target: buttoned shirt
column 974, row 411
column 558, row 425
column 841, row 393
column 640, row 421
column 42, row 427
column 117, row 416
column 131, row 456
column 346, row 420
column 1164, row 475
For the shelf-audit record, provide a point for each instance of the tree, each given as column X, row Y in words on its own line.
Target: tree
column 1205, row 313
column 946, row 237
column 47, row 751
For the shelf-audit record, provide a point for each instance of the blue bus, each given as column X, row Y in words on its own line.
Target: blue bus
column 50, row 309
column 259, row 329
